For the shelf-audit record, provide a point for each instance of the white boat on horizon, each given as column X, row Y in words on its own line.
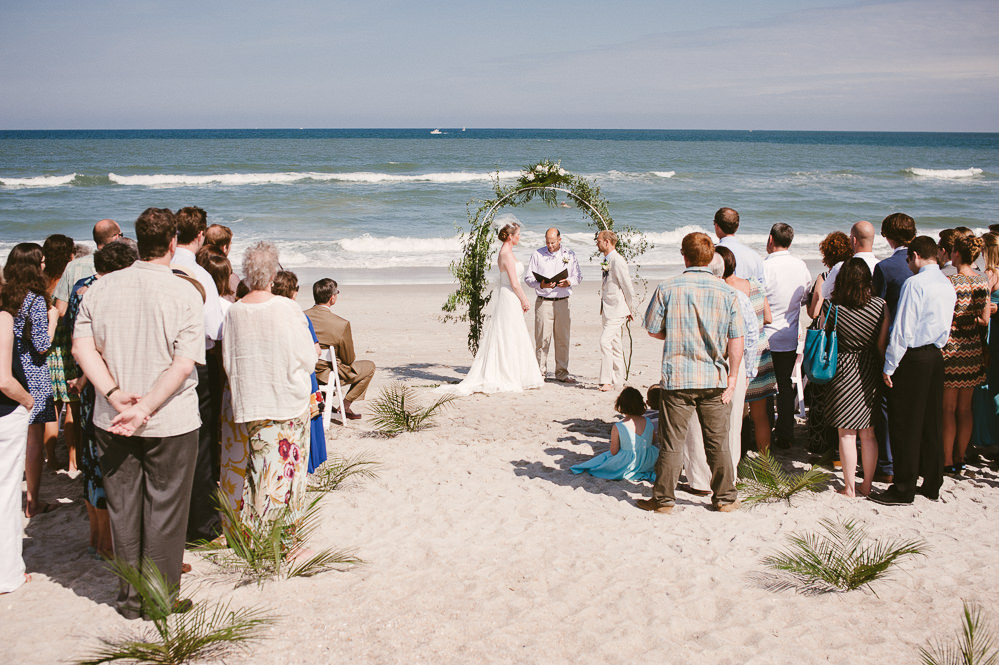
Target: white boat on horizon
column 437, row 131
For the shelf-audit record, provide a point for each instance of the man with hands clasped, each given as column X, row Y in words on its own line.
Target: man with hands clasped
column 616, row 296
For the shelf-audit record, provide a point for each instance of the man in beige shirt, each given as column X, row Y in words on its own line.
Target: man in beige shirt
column 139, row 333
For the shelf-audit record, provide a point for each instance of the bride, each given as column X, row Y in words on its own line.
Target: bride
column 506, row 361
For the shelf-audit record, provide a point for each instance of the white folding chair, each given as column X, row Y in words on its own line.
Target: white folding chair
column 332, row 390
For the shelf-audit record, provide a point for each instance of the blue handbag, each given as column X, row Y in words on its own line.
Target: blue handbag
column 819, row 358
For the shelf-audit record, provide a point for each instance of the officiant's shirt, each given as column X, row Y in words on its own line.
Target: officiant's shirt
column 548, row 264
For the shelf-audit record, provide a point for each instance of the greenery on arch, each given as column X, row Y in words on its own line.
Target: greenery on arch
column 543, row 180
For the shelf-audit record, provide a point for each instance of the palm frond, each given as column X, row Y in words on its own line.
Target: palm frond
column 841, row 559
column 274, row 547
column 975, row 645
column 763, row 480
column 206, row 632
column 396, row 410
column 336, row 471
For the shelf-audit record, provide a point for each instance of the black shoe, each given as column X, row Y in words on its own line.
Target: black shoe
column 932, row 496
column 890, row 497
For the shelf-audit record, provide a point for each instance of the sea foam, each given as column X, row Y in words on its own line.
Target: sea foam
column 361, row 177
column 38, row 181
column 949, row 174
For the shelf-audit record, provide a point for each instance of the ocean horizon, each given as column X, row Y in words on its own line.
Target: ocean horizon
column 386, row 205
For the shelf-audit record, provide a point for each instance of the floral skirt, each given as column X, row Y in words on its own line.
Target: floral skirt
column 276, row 467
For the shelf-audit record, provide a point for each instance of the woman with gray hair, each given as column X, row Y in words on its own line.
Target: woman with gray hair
column 268, row 355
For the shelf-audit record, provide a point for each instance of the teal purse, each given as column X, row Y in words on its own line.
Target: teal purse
column 819, row 358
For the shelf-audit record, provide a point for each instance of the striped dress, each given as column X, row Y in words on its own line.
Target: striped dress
column 764, row 384
column 964, row 354
column 853, row 393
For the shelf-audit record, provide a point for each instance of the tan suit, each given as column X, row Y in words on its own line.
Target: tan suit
column 334, row 331
column 616, row 296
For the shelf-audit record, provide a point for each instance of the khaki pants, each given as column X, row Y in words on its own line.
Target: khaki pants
column 611, row 350
column 552, row 316
column 675, row 411
column 695, row 463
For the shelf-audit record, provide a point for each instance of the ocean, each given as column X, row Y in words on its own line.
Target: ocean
column 383, row 206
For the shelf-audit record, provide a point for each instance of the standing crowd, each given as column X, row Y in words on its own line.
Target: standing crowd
column 184, row 389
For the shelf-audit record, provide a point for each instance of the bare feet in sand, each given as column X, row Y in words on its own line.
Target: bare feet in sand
column 606, row 388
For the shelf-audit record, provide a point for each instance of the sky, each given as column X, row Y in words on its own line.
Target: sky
column 912, row 65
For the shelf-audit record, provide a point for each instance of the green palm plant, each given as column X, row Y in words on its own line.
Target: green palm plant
column 205, row 632
column 273, row 547
column 975, row 644
column 763, row 480
column 397, row 411
column 841, row 559
column 334, row 472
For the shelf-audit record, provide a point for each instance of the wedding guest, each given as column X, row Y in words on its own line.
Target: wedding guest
column 787, row 280
column 146, row 416
column 333, row 331
column 852, row 397
column 945, row 247
column 616, row 296
column 913, row 369
column 112, row 256
column 268, row 355
column 15, row 405
column 698, row 319
column 632, row 455
column 889, row 274
column 862, row 239
column 286, row 284
column 219, row 237
column 24, row 297
column 551, row 307
column 985, row 412
column 694, row 461
column 218, row 266
column 964, row 353
column 835, row 248
column 203, row 522
column 58, row 251
column 105, row 231
column 748, row 264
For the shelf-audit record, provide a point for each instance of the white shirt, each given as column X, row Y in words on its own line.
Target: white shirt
column 548, row 264
column 830, row 281
column 787, row 283
column 748, row 263
column 925, row 312
column 213, row 310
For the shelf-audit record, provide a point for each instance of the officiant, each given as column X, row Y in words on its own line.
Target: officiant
column 552, row 273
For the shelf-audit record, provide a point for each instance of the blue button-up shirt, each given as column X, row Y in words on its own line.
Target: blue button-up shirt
column 698, row 313
column 925, row 311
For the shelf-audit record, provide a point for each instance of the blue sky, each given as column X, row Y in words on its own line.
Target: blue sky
column 921, row 65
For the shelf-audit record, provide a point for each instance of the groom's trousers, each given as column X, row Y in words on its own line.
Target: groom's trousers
column 611, row 350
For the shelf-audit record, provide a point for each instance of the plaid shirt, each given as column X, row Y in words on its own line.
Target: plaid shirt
column 699, row 313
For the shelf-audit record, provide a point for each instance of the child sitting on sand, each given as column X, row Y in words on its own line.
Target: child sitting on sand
column 652, row 397
column 632, row 455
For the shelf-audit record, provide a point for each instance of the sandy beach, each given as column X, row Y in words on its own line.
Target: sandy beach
column 481, row 547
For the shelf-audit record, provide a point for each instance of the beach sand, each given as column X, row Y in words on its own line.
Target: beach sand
column 481, row 546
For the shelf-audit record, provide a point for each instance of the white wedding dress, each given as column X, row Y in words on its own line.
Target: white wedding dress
column 506, row 361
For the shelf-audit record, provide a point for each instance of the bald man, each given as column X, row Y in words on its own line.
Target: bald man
column 105, row 231
column 862, row 239
column 551, row 307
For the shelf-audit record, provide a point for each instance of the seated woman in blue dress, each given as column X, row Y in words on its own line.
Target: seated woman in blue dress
column 632, row 455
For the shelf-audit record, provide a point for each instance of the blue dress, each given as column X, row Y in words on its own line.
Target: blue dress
column 32, row 353
column 636, row 460
column 985, row 402
column 317, row 440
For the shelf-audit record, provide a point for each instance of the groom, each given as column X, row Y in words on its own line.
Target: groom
column 616, row 296
column 551, row 308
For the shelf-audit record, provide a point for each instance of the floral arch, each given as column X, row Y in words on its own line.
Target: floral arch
column 544, row 180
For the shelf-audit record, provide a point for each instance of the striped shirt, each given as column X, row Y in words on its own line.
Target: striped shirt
column 698, row 313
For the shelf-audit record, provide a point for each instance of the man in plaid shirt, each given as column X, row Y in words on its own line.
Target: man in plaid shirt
column 697, row 316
